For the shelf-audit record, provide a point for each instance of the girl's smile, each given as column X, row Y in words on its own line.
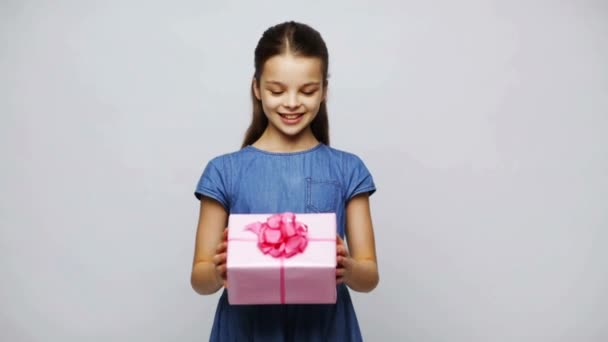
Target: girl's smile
column 291, row 119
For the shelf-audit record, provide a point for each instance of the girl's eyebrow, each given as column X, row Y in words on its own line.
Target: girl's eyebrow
column 304, row 85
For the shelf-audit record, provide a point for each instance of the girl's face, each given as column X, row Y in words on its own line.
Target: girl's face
column 291, row 91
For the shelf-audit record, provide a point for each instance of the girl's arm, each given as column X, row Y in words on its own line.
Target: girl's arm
column 206, row 278
column 360, row 269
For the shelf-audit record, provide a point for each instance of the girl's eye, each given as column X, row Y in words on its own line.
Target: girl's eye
column 279, row 92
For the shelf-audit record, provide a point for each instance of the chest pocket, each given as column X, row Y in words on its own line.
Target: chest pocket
column 322, row 196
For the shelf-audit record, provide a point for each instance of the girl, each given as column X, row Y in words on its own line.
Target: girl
column 286, row 164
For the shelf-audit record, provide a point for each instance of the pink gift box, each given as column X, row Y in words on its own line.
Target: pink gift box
column 308, row 277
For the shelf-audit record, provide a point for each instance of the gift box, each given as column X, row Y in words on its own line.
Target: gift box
column 281, row 258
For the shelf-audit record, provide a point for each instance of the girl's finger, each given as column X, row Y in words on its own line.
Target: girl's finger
column 219, row 259
column 222, row 271
column 341, row 250
column 346, row 262
column 221, row 247
column 339, row 240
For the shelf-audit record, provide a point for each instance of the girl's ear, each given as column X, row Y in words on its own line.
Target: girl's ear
column 324, row 91
column 256, row 89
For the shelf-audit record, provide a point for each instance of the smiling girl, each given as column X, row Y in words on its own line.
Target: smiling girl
column 286, row 165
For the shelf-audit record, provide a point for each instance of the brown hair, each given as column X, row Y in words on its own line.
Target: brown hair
column 300, row 40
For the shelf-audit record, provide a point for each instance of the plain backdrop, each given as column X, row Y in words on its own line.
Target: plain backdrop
column 484, row 124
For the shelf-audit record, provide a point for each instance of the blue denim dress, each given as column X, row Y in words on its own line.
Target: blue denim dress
column 320, row 179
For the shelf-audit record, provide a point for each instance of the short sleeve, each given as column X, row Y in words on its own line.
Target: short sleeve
column 358, row 177
column 213, row 182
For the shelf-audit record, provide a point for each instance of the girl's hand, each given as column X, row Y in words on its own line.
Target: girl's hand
column 220, row 258
column 344, row 261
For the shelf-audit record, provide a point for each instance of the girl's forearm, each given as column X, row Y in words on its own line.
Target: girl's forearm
column 204, row 278
column 364, row 276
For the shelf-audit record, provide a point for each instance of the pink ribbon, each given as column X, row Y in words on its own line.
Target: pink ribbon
column 281, row 235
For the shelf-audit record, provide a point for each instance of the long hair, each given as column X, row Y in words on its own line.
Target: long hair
column 300, row 40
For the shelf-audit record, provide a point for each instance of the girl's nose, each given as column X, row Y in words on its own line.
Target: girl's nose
column 291, row 101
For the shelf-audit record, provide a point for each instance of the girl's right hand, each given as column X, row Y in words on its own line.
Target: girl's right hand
column 220, row 258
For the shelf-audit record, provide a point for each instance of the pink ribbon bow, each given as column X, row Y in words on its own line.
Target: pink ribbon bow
column 281, row 235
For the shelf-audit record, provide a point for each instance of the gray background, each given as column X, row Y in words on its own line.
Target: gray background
column 484, row 124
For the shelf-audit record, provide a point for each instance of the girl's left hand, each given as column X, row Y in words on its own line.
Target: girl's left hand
column 344, row 261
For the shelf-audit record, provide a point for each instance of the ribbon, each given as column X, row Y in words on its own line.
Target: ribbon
column 281, row 235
